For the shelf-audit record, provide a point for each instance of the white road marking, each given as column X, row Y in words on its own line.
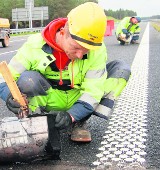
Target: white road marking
column 17, row 40
column 8, row 52
column 127, row 127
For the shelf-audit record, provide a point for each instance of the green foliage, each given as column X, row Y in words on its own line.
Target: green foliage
column 26, row 33
column 120, row 14
column 156, row 25
column 6, row 7
column 57, row 8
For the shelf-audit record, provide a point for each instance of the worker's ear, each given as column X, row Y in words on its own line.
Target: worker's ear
column 62, row 31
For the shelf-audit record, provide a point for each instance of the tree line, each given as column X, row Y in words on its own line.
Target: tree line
column 119, row 14
column 56, row 9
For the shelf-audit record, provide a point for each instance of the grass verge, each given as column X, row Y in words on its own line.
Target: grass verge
column 156, row 26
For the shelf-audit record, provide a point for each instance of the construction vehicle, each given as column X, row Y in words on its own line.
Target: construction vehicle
column 4, row 31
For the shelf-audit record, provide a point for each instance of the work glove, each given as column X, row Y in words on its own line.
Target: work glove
column 63, row 120
column 15, row 107
column 128, row 34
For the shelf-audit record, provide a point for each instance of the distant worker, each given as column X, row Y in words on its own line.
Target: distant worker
column 128, row 30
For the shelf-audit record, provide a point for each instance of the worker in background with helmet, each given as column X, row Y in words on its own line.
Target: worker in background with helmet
column 128, row 30
column 63, row 72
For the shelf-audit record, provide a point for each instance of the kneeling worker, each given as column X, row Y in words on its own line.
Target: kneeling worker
column 128, row 30
column 62, row 71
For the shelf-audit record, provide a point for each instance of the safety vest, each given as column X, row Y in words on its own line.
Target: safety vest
column 89, row 74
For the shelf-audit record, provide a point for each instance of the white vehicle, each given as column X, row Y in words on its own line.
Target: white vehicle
column 4, row 31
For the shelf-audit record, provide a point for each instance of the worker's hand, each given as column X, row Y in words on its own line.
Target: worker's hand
column 63, row 120
column 122, row 37
column 15, row 107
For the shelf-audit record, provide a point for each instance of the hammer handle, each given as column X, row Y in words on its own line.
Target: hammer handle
column 7, row 75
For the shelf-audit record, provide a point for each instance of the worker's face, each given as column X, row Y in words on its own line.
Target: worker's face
column 72, row 48
column 134, row 20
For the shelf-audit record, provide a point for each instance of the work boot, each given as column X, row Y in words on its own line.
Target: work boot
column 80, row 133
column 134, row 42
column 121, row 42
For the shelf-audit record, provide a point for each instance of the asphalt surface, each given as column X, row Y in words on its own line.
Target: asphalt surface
column 81, row 156
column 153, row 142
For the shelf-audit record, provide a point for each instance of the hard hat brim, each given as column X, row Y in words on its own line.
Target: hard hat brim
column 87, row 46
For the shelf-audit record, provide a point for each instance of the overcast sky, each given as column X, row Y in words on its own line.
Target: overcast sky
column 143, row 8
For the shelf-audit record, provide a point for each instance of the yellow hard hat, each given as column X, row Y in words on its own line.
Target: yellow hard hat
column 87, row 25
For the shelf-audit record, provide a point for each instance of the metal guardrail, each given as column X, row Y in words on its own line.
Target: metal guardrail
column 25, row 30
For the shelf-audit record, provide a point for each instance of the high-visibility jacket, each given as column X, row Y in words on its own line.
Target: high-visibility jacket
column 127, row 25
column 89, row 74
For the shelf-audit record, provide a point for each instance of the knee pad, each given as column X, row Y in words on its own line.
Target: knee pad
column 118, row 69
